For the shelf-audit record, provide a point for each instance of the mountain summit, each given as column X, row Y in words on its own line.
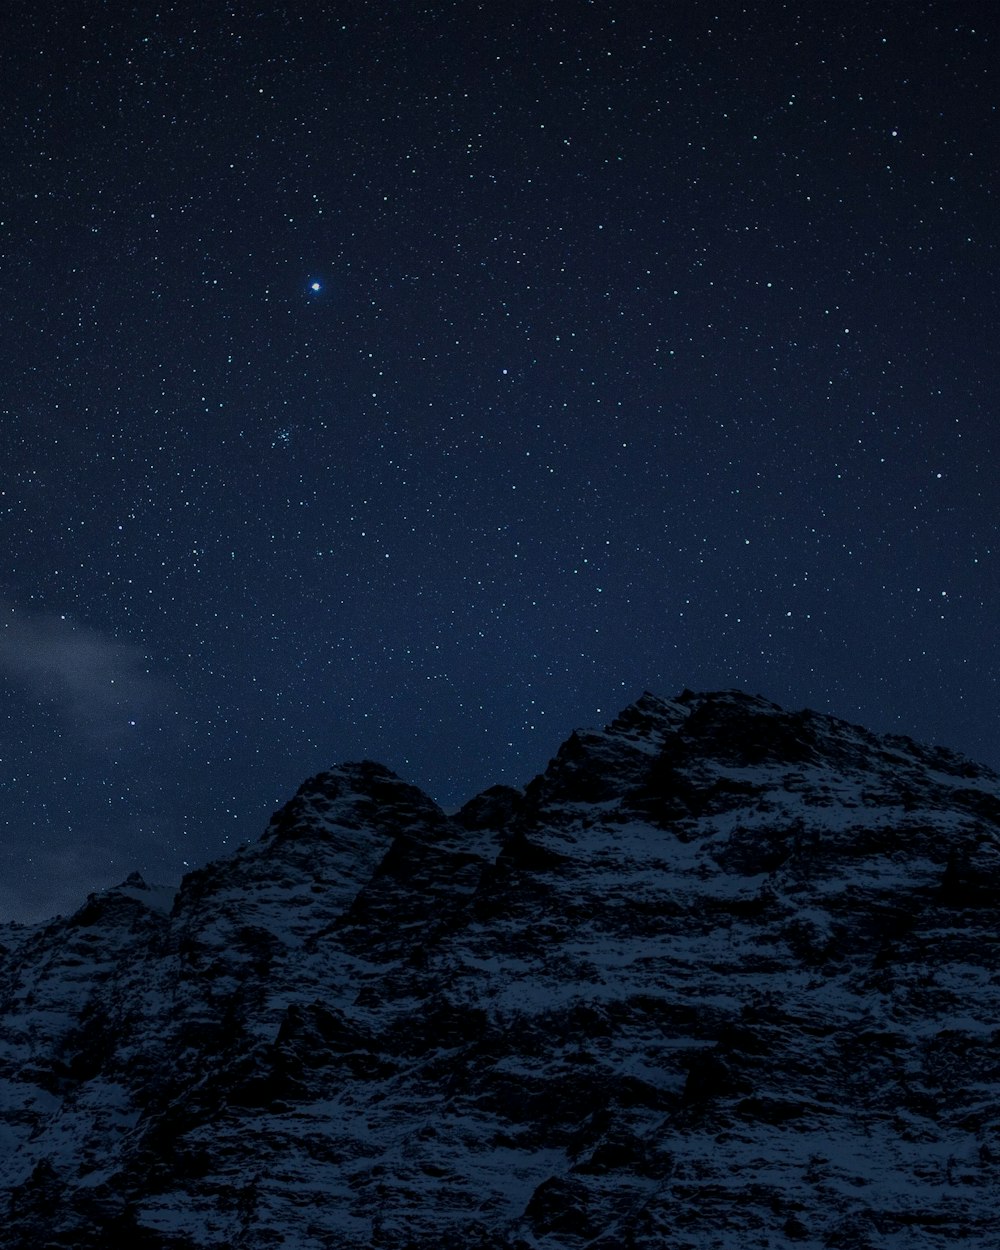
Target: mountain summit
column 721, row 976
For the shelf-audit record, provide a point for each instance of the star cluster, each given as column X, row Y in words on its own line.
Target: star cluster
column 420, row 381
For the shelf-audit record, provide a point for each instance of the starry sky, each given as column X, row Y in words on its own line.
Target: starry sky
column 421, row 381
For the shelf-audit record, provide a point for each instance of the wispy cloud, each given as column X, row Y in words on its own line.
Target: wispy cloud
column 101, row 685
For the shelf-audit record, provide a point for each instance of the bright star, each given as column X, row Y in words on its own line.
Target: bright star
column 315, row 286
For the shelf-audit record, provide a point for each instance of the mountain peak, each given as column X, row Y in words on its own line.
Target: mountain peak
column 722, row 974
column 355, row 796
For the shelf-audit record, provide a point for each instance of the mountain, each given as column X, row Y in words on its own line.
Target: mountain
column 722, row 976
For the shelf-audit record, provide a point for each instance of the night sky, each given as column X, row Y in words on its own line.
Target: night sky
column 420, row 382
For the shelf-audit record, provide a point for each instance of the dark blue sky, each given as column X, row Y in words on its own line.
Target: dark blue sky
column 653, row 346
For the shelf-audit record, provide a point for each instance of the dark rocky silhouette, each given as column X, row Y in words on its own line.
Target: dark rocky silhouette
column 722, row 976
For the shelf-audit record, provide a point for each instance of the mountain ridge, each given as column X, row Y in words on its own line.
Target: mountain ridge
column 720, row 974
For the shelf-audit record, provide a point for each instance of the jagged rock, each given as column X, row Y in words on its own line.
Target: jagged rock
column 723, row 975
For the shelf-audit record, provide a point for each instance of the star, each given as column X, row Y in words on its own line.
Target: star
column 315, row 287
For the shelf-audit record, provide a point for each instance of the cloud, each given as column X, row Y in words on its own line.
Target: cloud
column 100, row 685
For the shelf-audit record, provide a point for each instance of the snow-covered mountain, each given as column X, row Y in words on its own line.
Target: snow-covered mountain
column 722, row 976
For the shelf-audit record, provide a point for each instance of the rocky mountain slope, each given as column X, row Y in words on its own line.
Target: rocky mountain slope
column 722, row 976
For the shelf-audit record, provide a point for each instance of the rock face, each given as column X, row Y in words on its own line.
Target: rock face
column 722, row 976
